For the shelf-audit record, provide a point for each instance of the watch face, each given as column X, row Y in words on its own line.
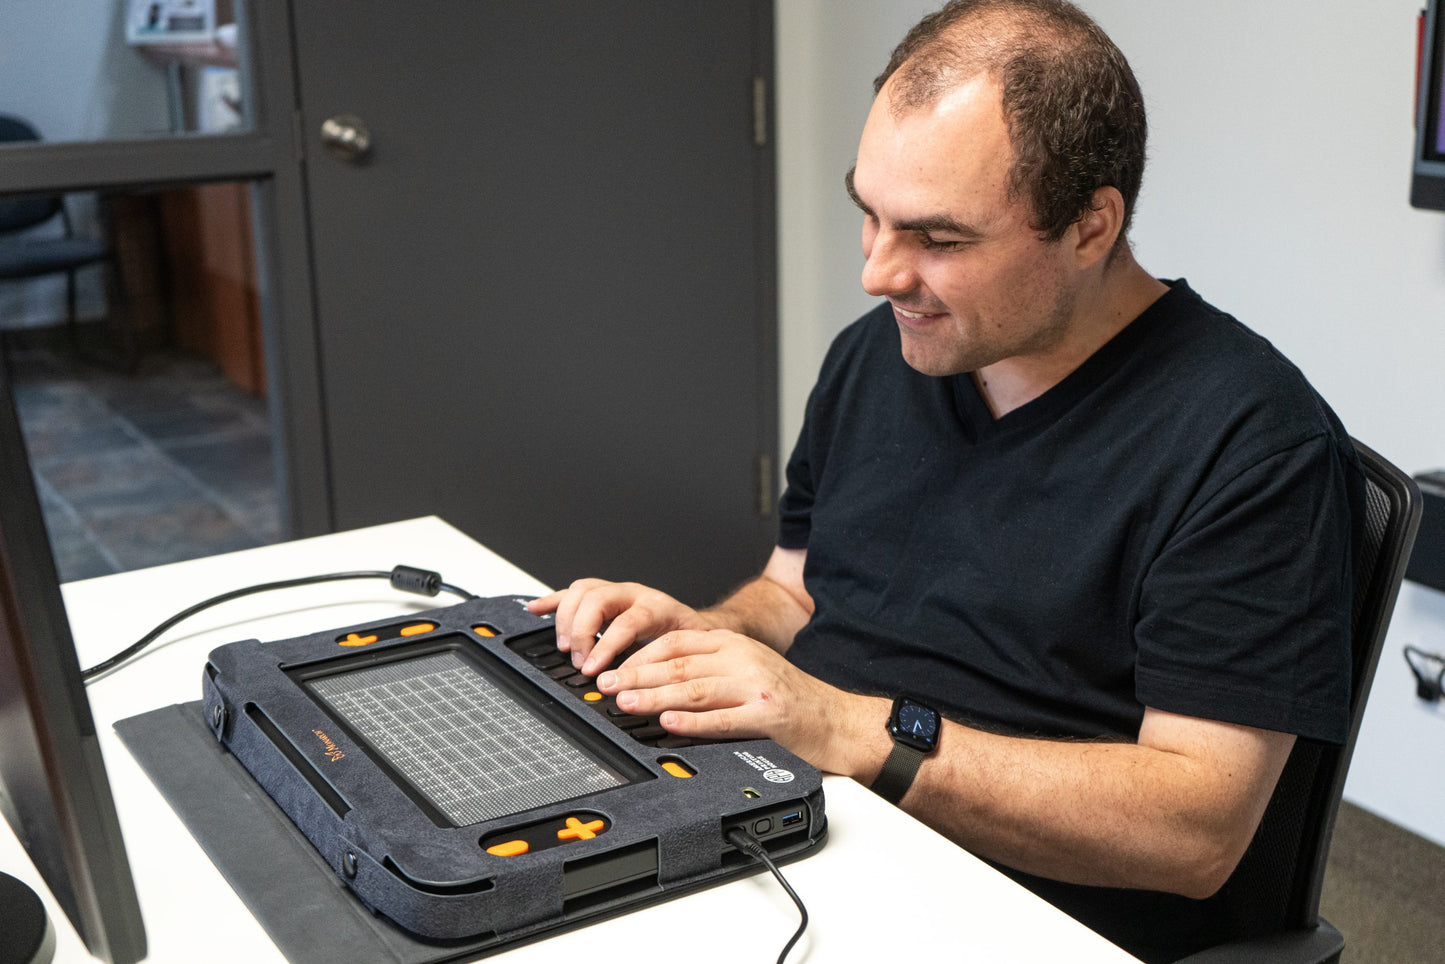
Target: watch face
column 916, row 725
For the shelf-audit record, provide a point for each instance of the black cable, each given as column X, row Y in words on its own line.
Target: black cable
column 406, row 578
column 749, row 845
column 1426, row 688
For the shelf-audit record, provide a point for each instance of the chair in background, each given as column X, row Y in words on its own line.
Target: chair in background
column 1282, row 872
column 30, row 257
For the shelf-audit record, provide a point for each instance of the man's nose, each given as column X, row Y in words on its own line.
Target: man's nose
column 887, row 269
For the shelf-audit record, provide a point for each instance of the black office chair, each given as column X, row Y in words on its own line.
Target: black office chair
column 1284, row 868
column 30, row 257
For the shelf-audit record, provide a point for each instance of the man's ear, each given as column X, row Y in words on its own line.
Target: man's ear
column 1097, row 230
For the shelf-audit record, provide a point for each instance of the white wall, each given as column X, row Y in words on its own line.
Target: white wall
column 1278, row 184
column 829, row 51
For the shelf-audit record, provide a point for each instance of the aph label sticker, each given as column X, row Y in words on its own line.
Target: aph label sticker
column 770, row 772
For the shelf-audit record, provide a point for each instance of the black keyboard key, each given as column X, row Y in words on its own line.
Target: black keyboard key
column 541, row 649
column 550, row 659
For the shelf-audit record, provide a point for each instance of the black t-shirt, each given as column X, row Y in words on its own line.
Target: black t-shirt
column 1169, row 526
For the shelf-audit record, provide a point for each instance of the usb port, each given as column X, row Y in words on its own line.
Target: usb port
column 792, row 819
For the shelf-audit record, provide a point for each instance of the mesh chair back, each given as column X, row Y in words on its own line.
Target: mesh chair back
column 19, row 213
column 1283, row 870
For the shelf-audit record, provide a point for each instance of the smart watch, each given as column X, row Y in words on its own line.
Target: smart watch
column 914, row 729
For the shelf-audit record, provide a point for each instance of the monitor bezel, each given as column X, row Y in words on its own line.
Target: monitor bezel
column 1427, row 184
column 54, row 790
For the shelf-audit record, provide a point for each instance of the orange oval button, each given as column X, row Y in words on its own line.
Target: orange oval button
column 484, row 630
column 592, row 697
column 417, row 629
column 510, row 848
column 676, row 769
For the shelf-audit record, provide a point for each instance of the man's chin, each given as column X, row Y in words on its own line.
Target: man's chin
column 933, row 363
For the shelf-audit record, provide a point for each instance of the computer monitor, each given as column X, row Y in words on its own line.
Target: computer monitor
column 53, row 787
column 1427, row 187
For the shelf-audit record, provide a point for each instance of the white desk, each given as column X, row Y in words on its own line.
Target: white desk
column 882, row 883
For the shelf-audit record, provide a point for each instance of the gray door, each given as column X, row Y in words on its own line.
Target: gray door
column 545, row 297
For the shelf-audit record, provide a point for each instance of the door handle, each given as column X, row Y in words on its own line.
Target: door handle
column 346, row 137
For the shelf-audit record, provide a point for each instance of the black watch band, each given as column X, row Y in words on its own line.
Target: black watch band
column 898, row 772
column 913, row 727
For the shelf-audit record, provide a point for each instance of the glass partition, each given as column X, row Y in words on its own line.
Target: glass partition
column 87, row 70
column 146, row 410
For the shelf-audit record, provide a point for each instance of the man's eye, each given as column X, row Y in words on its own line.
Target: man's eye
column 931, row 243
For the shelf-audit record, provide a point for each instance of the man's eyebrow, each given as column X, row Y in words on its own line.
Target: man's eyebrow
column 853, row 191
column 940, row 224
column 932, row 224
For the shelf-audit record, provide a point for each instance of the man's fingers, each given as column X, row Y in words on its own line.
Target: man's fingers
column 599, row 621
column 545, row 604
column 651, row 675
column 728, row 723
column 626, row 629
column 670, row 645
column 694, row 694
column 586, row 605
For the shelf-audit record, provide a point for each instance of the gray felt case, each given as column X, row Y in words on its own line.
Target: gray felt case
column 664, row 835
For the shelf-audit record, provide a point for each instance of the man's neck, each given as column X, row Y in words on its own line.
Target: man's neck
column 1103, row 310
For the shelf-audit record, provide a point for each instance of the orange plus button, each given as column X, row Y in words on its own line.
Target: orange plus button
column 354, row 639
column 577, row 830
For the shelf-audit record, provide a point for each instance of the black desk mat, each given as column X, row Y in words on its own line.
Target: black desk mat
column 303, row 906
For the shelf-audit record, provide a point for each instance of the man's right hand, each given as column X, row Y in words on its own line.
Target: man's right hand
column 625, row 613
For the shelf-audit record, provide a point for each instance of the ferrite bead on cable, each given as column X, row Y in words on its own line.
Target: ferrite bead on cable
column 423, row 582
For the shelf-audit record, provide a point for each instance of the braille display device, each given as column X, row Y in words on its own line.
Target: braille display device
column 467, row 784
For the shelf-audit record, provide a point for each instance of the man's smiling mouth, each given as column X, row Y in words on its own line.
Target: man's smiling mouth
column 914, row 314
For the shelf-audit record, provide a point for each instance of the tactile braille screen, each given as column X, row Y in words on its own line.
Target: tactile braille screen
column 460, row 739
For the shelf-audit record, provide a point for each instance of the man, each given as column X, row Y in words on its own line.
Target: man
column 1099, row 525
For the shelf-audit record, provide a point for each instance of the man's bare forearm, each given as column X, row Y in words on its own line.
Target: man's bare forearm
column 1172, row 813
column 772, row 607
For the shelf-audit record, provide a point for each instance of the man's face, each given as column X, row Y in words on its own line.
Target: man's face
column 971, row 283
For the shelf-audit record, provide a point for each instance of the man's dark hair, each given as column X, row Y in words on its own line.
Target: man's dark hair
column 1074, row 111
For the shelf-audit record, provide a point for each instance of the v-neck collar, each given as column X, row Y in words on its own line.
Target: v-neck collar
column 978, row 420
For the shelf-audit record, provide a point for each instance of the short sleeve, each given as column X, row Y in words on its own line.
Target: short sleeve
column 805, row 466
column 795, row 508
column 1245, row 615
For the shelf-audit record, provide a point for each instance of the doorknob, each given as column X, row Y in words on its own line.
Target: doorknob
column 346, row 137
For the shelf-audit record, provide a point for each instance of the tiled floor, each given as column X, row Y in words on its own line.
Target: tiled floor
column 170, row 463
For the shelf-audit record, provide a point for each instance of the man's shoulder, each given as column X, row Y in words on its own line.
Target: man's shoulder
column 1212, row 339
column 1217, row 369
